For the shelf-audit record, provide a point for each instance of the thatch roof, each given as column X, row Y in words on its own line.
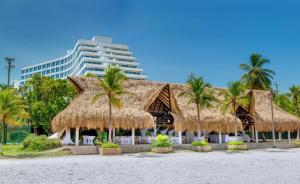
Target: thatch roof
column 211, row 119
column 263, row 115
column 84, row 113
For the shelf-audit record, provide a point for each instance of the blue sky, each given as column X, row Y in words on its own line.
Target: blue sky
column 169, row 38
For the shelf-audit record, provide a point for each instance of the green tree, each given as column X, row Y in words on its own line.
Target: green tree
column 46, row 97
column 283, row 101
column 295, row 94
column 12, row 109
column 199, row 93
column 256, row 76
column 233, row 97
column 111, row 86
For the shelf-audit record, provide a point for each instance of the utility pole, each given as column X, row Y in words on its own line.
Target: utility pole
column 10, row 66
column 276, row 87
column 273, row 122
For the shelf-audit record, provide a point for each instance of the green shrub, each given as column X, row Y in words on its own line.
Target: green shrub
column 110, row 145
column 200, row 143
column 236, row 143
column 161, row 141
column 98, row 143
column 40, row 143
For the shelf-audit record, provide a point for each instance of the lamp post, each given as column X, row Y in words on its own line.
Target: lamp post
column 9, row 67
column 273, row 123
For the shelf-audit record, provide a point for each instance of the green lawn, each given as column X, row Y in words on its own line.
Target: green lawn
column 17, row 151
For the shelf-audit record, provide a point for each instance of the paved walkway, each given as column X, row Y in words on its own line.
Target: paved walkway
column 256, row 166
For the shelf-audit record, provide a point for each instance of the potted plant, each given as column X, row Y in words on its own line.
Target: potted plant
column 237, row 145
column 162, row 144
column 201, row 146
column 110, row 149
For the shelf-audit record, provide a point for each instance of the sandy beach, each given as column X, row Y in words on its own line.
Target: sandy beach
column 258, row 166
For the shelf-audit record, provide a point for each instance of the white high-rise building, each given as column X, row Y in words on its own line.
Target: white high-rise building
column 88, row 56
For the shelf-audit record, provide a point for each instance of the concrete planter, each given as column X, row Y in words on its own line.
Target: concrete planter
column 110, row 151
column 202, row 148
column 237, row 147
column 162, row 149
column 206, row 148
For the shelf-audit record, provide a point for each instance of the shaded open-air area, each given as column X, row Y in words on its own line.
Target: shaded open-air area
column 256, row 166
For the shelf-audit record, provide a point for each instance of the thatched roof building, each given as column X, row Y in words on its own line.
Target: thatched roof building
column 262, row 114
column 149, row 97
column 153, row 97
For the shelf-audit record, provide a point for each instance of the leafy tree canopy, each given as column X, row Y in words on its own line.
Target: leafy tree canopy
column 45, row 97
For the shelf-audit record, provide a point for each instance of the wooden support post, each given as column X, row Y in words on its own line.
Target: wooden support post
column 179, row 137
column 199, row 135
column 114, row 134
column 279, row 136
column 298, row 134
column 220, row 137
column 252, row 131
column 155, row 129
column 256, row 136
column 133, row 136
column 77, row 136
column 289, row 136
column 192, row 136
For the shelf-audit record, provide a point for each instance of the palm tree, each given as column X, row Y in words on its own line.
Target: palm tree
column 234, row 97
column 295, row 94
column 284, row 102
column 12, row 109
column 257, row 77
column 199, row 94
column 111, row 86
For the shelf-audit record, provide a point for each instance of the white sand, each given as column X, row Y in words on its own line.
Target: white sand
column 261, row 166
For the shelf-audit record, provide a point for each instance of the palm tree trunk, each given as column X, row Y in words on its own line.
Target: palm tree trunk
column 250, row 100
column 3, row 132
column 235, row 128
column 109, row 122
column 235, row 118
column 297, row 112
column 199, row 121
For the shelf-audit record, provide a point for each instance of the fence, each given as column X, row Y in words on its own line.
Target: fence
column 16, row 134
